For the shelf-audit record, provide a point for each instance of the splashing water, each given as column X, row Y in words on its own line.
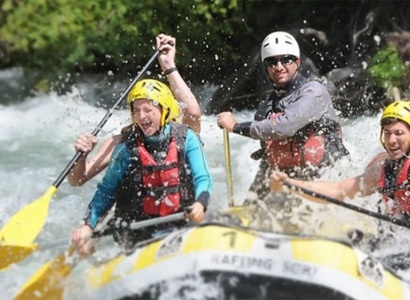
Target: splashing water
column 36, row 143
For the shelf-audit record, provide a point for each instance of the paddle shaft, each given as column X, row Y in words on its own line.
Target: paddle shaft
column 349, row 206
column 104, row 120
column 228, row 168
column 142, row 224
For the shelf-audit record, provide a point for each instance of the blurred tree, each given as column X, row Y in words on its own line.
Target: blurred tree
column 386, row 68
column 216, row 38
column 99, row 35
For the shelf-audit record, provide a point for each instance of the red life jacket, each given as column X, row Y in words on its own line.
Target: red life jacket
column 160, row 181
column 400, row 190
column 130, row 205
column 294, row 152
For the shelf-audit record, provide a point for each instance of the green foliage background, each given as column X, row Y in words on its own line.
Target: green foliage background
column 51, row 38
column 78, row 35
column 386, row 68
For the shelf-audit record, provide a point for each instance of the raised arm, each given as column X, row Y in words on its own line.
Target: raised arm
column 339, row 190
column 85, row 168
column 189, row 103
column 362, row 185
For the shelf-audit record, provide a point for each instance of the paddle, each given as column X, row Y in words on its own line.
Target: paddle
column 228, row 168
column 24, row 226
column 47, row 282
column 358, row 209
column 396, row 261
column 12, row 254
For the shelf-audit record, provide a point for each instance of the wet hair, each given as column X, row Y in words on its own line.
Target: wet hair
column 390, row 121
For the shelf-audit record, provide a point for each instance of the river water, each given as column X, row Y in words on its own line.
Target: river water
column 36, row 143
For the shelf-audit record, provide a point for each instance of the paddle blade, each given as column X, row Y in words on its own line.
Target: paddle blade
column 24, row 226
column 47, row 282
column 11, row 254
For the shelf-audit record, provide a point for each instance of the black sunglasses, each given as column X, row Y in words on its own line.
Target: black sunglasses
column 273, row 62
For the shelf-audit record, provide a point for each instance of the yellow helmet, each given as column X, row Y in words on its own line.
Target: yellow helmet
column 159, row 94
column 397, row 110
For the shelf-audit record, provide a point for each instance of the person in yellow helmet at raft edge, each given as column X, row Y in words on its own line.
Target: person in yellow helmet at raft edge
column 387, row 173
column 159, row 169
column 88, row 167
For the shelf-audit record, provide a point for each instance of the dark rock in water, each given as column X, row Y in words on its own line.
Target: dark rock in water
column 242, row 89
column 224, row 218
column 15, row 86
column 397, row 261
column 353, row 92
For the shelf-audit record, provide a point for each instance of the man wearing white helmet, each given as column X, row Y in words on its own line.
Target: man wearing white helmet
column 296, row 124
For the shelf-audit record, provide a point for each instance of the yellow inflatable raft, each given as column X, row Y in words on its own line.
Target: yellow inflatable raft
column 234, row 262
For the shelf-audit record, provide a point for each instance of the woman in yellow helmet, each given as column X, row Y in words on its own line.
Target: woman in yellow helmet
column 86, row 168
column 159, row 168
column 387, row 173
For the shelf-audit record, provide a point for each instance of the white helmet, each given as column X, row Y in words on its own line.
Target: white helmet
column 279, row 43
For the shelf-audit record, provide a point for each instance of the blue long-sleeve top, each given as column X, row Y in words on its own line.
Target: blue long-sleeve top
column 120, row 163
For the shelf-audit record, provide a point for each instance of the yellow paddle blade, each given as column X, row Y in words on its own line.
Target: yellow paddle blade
column 11, row 254
column 243, row 213
column 24, row 226
column 47, row 282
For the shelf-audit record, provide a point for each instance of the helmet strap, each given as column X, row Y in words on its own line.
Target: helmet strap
column 168, row 112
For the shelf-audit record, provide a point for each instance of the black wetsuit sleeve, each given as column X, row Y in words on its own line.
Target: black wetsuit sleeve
column 204, row 199
column 242, row 129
